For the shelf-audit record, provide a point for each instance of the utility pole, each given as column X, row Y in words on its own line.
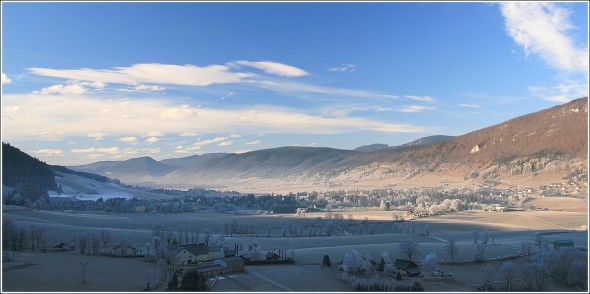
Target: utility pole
column 84, row 264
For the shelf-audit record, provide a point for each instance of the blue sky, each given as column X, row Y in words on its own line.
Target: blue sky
column 83, row 82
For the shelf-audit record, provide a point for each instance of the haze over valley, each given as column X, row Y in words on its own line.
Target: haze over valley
column 294, row 147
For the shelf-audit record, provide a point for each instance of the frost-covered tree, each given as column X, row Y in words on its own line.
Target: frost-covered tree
column 508, row 272
column 430, row 262
column 487, row 273
column 354, row 263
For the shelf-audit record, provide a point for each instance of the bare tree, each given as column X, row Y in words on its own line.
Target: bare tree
column 95, row 244
column 105, row 236
column 508, row 272
column 22, row 239
column 410, row 249
column 475, row 235
column 452, row 249
column 487, row 273
column 82, row 243
column 526, row 248
column 481, row 251
column 527, row 273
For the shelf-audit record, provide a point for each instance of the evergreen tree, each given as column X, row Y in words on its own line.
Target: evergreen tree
column 193, row 281
column 173, row 284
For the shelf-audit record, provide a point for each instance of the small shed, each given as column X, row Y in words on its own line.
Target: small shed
column 557, row 244
column 407, row 267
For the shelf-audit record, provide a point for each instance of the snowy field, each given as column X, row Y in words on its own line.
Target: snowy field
column 508, row 229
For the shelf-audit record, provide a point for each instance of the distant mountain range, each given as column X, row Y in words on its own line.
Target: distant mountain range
column 420, row 142
column 537, row 142
column 550, row 144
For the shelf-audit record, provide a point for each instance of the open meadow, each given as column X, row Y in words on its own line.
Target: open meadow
column 61, row 271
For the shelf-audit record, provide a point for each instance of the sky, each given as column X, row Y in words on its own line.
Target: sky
column 92, row 81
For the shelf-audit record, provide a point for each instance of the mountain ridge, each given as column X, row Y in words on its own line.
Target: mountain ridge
column 546, row 138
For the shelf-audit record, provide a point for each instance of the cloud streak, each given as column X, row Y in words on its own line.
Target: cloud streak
column 72, row 114
column 541, row 29
column 275, row 68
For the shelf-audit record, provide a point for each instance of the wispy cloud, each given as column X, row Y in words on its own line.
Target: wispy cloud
column 151, row 73
column 112, row 150
column 275, row 68
column 152, row 140
column 225, row 143
column 541, row 29
column 561, row 93
column 49, row 152
column 255, row 142
column 469, row 105
column 420, row 98
column 5, row 79
column 62, row 89
column 123, row 117
column 344, row 68
column 97, row 135
column 130, row 140
column 415, row 108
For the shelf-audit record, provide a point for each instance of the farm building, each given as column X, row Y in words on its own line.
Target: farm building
column 125, row 249
column 194, row 253
column 406, row 268
column 557, row 244
column 272, row 256
column 231, row 264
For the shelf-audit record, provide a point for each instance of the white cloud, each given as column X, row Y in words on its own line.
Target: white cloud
column 74, row 89
column 150, row 73
column 541, row 29
column 155, row 134
column 112, row 150
column 561, row 93
column 179, row 112
column 256, row 142
column 189, row 134
column 130, row 140
column 5, row 79
column 151, row 140
column 240, row 151
column 415, row 108
column 15, row 108
column 152, row 88
column 275, row 68
column 234, row 136
column 210, row 141
column 49, row 152
column 74, row 115
column 469, row 105
column 225, row 143
column 313, row 144
column 343, row 68
column 97, row 135
column 420, row 98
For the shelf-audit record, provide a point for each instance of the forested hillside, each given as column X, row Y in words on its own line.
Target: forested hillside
column 30, row 177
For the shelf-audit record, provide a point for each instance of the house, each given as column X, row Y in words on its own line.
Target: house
column 407, row 268
column 231, row 264
column 272, row 256
column 192, row 253
column 125, row 249
column 558, row 244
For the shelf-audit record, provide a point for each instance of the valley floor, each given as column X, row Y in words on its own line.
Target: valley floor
column 61, row 271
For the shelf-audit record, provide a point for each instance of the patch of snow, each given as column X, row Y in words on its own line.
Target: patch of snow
column 475, row 149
